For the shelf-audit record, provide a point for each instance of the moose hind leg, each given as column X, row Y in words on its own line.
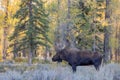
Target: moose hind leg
column 96, row 67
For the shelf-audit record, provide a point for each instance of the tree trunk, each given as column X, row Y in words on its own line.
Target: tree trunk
column 116, row 41
column 58, row 16
column 106, row 45
column 69, row 27
column 24, row 52
column 4, row 42
column 119, row 43
column 57, row 32
column 46, row 53
column 30, row 37
column 94, row 40
column 15, row 54
column 68, row 14
column 107, row 48
column 30, row 56
column 5, row 32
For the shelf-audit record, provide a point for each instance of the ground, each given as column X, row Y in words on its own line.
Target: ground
column 58, row 72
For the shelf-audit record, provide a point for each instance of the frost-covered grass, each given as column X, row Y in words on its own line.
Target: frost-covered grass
column 60, row 72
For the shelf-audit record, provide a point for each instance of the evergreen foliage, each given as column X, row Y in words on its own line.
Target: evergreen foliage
column 32, row 28
column 88, row 27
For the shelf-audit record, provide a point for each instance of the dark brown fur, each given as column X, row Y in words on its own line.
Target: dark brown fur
column 75, row 58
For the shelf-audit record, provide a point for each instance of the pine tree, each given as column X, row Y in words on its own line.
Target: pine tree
column 88, row 27
column 32, row 27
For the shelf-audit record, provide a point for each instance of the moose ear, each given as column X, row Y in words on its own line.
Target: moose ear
column 65, row 44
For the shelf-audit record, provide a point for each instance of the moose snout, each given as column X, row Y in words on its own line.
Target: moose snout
column 56, row 59
column 53, row 59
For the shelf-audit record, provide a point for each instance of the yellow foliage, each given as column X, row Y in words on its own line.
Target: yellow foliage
column 1, row 57
column 114, row 42
column 21, row 59
column 104, row 23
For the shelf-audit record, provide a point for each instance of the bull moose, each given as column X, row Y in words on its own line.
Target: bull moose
column 76, row 57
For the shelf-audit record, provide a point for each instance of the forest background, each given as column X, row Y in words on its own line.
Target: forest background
column 30, row 29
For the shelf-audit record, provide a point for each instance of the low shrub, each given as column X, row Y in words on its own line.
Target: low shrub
column 21, row 59
column 60, row 72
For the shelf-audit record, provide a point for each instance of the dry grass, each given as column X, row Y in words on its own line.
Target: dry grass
column 60, row 72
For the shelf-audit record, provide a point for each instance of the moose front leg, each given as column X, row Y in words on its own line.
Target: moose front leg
column 74, row 68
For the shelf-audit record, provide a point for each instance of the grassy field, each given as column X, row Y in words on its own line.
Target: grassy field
column 58, row 72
